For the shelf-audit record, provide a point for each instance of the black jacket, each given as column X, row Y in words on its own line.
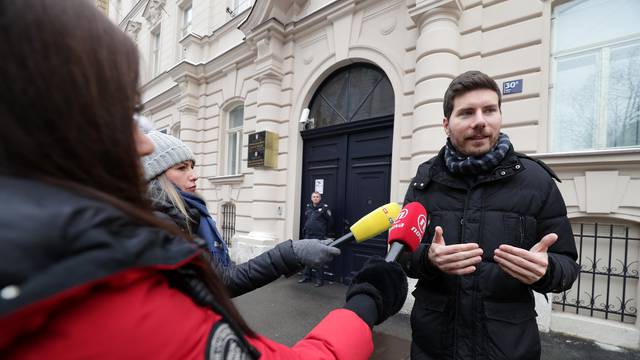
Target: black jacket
column 487, row 314
column 317, row 220
column 238, row 278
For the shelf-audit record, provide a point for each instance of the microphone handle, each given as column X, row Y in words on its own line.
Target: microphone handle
column 342, row 240
column 394, row 251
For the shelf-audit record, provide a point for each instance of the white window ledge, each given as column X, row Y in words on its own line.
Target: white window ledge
column 226, row 179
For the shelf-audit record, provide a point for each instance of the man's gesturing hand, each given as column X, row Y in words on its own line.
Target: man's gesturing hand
column 456, row 259
column 527, row 266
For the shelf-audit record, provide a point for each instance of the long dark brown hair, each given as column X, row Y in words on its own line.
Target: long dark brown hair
column 68, row 93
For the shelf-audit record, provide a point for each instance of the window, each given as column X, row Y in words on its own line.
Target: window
column 228, row 222
column 175, row 131
column 356, row 92
column 155, row 51
column 238, row 6
column 186, row 20
column 595, row 90
column 234, row 140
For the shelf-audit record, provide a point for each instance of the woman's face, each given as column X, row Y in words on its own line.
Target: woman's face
column 183, row 176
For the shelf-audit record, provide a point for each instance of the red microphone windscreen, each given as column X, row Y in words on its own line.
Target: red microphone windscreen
column 409, row 226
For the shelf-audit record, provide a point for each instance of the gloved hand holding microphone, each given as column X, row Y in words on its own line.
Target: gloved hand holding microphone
column 314, row 253
column 379, row 289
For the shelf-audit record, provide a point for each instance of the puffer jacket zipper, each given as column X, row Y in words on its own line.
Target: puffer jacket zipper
column 522, row 228
column 457, row 308
column 458, row 279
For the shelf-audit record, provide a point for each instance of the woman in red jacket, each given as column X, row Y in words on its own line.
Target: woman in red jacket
column 86, row 270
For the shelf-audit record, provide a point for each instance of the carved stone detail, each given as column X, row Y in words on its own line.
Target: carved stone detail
column 388, row 25
column 153, row 11
column 132, row 29
column 307, row 57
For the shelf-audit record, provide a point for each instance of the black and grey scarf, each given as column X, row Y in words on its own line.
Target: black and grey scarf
column 462, row 164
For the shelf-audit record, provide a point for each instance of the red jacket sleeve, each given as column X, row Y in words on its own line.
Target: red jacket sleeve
column 340, row 335
column 140, row 316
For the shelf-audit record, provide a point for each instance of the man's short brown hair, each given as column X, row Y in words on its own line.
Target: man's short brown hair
column 465, row 82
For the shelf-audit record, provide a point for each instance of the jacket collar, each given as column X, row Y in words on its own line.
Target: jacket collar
column 435, row 170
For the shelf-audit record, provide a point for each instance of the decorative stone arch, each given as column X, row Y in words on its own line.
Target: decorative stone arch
column 231, row 102
column 310, row 85
column 175, row 128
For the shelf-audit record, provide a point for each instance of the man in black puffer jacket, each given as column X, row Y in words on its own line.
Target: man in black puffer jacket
column 498, row 231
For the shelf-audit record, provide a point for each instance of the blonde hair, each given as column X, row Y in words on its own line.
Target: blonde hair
column 161, row 189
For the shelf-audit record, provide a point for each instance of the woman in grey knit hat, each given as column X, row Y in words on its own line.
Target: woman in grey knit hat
column 172, row 188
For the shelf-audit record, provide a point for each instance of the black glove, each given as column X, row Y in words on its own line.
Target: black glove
column 382, row 281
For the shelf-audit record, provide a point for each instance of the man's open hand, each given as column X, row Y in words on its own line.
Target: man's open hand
column 527, row 266
column 456, row 259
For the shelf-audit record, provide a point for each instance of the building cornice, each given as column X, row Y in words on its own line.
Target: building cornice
column 421, row 10
column 163, row 100
column 134, row 10
column 186, row 70
column 609, row 157
column 239, row 54
column 321, row 17
column 155, row 80
column 231, row 24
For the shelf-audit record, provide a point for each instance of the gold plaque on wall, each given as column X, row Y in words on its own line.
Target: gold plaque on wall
column 263, row 149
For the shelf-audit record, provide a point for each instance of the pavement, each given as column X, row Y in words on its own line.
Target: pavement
column 285, row 311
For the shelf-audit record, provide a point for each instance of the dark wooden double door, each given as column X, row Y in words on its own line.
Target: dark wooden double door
column 353, row 165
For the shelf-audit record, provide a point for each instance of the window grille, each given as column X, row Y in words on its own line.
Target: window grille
column 228, row 222
column 608, row 282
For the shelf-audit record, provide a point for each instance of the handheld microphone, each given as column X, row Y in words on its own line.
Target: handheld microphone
column 407, row 230
column 372, row 224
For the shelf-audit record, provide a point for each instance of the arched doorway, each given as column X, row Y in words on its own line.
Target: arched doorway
column 347, row 155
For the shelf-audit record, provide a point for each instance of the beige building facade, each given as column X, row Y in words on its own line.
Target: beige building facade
column 216, row 72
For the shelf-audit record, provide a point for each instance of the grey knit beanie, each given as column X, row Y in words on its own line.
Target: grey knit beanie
column 168, row 152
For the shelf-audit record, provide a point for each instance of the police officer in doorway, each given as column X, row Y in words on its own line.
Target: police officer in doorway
column 317, row 218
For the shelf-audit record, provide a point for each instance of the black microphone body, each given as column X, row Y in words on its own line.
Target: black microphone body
column 394, row 251
column 342, row 240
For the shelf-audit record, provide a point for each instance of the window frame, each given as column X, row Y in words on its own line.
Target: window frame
column 186, row 27
column 602, row 51
column 228, row 132
column 174, row 130
column 155, row 46
column 238, row 6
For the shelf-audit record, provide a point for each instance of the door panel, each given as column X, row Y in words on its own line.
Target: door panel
column 367, row 188
column 356, row 168
column 323, row 159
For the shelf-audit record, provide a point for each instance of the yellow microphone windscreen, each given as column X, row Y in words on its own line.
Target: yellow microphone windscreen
column 375, row 222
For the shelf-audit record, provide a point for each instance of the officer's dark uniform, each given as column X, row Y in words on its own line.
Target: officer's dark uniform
column 317, row 220
column 316, row 226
